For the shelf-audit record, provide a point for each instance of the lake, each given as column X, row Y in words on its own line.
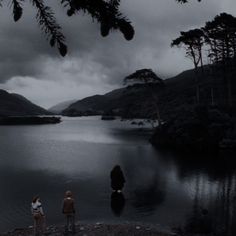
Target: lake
column 79, row 153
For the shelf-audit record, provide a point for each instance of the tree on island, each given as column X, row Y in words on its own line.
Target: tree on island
column 149, row 79
column 185, row 1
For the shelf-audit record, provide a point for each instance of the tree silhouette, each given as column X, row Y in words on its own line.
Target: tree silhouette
column 220, row 38
column 106, row 12
column 185, row 1
column 143, row 76
column 193, row 41
column 149, row 78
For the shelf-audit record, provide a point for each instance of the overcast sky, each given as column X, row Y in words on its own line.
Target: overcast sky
column 96, row 65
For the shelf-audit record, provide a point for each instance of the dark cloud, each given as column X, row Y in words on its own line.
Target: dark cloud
column 95, row 64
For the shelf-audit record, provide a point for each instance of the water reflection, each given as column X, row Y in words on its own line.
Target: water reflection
column 117, row 203
column 213, row 209
column 150, row 195
column 213, row 189
column 160, row 187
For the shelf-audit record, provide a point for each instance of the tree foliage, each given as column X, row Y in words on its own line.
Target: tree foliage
column 105, row 12
column 143, row 76
column 218, row 40
column 185, row 1
column 193, row 41
column 220, row 37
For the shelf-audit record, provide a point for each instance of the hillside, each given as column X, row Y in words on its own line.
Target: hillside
column 177, row 93
column 58, row 108
column 94, row 105
column 16, row 105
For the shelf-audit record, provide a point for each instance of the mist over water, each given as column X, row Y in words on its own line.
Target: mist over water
column 79, row 153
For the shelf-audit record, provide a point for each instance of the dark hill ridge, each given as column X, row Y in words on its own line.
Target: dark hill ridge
column 136, row 101
column 94, row 105
column 16, row 105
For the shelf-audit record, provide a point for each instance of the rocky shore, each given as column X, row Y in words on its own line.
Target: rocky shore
column 98, row 229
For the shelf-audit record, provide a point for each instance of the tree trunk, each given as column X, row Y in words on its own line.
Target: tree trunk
column 229, row 88
column 212, row 97
column 155, row 99
column 197, row 87
column 196, row 77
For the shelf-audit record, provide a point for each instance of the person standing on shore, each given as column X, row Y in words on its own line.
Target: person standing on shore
column 69, row 211
column 117, row 179
column 38, row 216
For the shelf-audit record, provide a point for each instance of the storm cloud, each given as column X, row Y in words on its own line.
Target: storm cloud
column 29, row 66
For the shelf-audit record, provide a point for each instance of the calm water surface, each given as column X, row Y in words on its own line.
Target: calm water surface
column 79, row 153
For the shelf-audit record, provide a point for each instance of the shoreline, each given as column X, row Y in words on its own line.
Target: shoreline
column 99, row 229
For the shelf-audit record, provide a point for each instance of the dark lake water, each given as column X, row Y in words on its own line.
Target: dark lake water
column 79, row 153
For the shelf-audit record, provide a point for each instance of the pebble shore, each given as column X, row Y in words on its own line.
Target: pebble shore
column 98, row 229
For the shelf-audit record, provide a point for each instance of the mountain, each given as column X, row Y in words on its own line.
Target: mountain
column 58, row 108
column 12, row 104
column 126, row 102
column 177, row 93
column 94, row 105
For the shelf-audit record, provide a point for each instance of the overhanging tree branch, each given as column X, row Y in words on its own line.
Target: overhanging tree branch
column 49, row 26
column 17, row 10
column 106, row 12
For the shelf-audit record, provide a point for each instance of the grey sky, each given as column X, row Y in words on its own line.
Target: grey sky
column 94, row 64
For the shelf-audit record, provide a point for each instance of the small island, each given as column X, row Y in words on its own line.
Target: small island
column 29, row 120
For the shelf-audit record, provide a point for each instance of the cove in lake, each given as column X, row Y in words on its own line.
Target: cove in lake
column 79, row 153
